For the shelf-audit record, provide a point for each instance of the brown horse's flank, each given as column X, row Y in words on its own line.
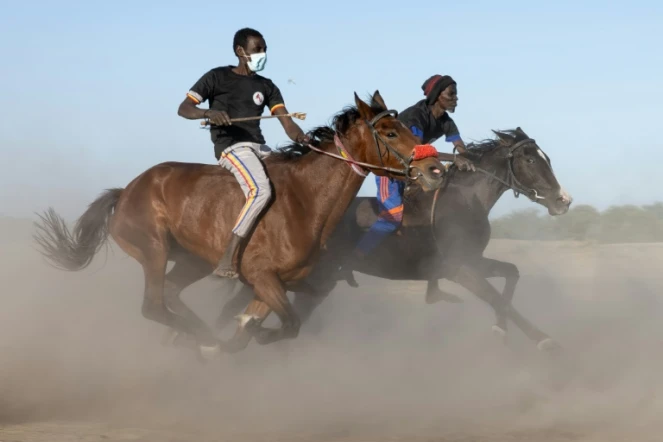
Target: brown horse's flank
column 184, row 212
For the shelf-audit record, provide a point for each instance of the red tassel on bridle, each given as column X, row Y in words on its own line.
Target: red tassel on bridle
column 422, row 151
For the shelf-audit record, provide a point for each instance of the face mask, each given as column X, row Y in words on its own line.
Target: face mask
column 257, row 62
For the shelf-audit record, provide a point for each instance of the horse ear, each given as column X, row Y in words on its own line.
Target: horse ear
column 521, row 132
column 506, row 138
column 378, row 100
column 364, row 109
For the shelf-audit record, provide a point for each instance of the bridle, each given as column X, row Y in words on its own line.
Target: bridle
column 511, row 181
column 362, row 168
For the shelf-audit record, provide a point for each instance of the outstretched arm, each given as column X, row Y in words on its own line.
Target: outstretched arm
column 459, row 145
column 292, row 129
column 461, row 162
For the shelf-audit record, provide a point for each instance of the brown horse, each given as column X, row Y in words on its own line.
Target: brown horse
column 444, row 234
column 183, row 212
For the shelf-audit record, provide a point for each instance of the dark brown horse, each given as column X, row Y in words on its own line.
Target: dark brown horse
column 184, row 212
column 445, row 233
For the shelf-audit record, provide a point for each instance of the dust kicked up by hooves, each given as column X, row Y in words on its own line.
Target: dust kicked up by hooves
column 79, row 362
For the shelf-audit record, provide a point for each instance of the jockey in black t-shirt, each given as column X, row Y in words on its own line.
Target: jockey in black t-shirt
column 233, row 92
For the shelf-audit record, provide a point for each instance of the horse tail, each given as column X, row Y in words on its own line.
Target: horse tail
column 74, row 250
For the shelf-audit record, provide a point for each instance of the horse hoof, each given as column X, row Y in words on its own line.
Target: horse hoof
column 499, row 331
column 209, row 353
column 170, row 337
column 548, row 344
column 247, row 321
column 352, row 282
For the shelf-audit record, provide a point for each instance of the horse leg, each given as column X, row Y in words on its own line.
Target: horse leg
column 234, row 307
column 435, row 294
column 304, row 293
column 306, row 301
column 187, row 271
column 256, row 312
column 270, row 290
column 154, row 304
column 473, row 280
column 492, row 268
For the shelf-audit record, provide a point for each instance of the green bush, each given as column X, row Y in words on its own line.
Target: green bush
column 617, row 224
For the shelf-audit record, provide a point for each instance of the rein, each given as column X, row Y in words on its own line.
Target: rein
column 509, row 182
column 512, row 182
column 351, row 161
column 361, row 168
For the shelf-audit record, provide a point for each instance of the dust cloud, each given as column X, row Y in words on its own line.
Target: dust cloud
column 79, row 362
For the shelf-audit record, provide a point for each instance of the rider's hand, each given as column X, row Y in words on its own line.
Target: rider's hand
column 219, row 118
column 463, row 163
column 304, row 139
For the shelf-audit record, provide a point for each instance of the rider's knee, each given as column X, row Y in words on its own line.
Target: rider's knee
column 387, row 226
column 263, row 195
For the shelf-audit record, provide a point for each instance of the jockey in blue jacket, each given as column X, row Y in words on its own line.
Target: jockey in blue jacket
column 428, row 119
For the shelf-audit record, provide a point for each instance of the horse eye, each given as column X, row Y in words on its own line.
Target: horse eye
column 392, row 135
column 530, row 160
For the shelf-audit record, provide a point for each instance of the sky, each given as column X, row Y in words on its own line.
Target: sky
column 90, row 90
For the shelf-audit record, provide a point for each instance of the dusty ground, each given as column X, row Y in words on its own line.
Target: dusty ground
column 79, row 363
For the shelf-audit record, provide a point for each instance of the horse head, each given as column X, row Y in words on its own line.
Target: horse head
column 530, row 172
column 384, row 142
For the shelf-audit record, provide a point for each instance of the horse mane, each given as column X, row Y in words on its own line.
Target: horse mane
column 474, row 151
column 341, row 123
column 479, row 148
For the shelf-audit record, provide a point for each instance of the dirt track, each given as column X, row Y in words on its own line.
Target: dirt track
column 79, row 363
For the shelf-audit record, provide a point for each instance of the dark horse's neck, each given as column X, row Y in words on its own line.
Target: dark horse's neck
column 481, row 187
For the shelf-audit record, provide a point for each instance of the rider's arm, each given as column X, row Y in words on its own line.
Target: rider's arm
column 452, row 135
column 420, row 134
column 277, row 107
column 189, row 109
column 460, row 147
column 199, row 92
column 292, row 129
column 416, row 130
column 443, row 156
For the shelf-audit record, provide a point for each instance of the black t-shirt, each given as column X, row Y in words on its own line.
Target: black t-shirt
column 419, row 119
column 239, row 96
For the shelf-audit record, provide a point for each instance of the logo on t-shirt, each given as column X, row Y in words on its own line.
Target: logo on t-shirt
column 258, row 98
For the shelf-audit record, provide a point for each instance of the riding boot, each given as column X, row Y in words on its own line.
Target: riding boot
column 225, row 268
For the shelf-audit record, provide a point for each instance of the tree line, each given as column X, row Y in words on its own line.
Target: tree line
column 617, row 224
